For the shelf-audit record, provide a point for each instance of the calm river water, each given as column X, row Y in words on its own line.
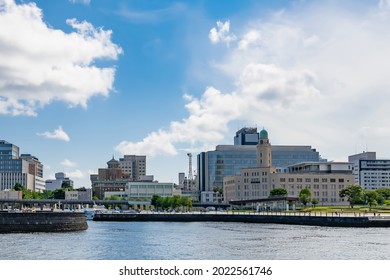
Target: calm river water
column 199, row 241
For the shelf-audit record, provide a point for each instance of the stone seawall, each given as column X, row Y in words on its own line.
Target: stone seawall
column 243, row 218
column 42, row 222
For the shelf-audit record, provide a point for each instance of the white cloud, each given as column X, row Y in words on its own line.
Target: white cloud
column 85, row 2
column 58, row 134
column 222, row 33
column 75, row 174
column 308, row 81
column 68, row 163
column 63, row 63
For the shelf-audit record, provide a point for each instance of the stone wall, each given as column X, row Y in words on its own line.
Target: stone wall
column 254, row 218
column 42, row 222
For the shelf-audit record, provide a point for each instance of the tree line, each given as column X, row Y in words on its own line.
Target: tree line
column 354, row 194
column 46, row 194
column 171, row 202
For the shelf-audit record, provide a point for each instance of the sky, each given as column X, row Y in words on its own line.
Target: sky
column 82, row 81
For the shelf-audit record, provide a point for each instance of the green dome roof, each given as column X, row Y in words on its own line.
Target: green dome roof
column 263, row 134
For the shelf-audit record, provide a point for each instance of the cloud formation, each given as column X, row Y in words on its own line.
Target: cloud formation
column 58, row 134
column 318, row 82
column 85, row 2
column 222, row 33
column 68, row 163
column 63, row 63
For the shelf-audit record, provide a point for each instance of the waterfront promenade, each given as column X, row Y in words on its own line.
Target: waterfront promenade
column 295, row 218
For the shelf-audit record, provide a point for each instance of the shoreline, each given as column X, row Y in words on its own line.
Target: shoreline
column 309, row 220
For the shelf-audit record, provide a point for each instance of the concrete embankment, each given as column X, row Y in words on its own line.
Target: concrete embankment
column 329, row 221
column 42, row 221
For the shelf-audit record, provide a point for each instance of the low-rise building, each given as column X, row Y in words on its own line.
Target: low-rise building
column 59, row 181
column 79, row 194
column 10, row 194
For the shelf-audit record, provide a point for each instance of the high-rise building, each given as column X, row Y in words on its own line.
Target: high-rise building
column 227, row 160
column 246, row 136
column 24, row 169
column 133, row 167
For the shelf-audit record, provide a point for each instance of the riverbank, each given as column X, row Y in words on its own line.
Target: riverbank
column 329, row 221
column 42, row 221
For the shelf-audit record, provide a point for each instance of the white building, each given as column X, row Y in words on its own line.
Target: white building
column 79, row 194
column 370, row 173
column 60, row 178
column 135, row 190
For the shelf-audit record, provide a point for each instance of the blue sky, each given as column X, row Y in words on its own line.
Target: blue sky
column 81, row 81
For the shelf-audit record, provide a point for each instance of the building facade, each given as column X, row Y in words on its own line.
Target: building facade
column 323, row 179
column 79, row 194
column 24, row 169
column 145, row 190
column 370, row 173
column 228, row 160
column 133, row 167
column 58, row 182
column 114, row 178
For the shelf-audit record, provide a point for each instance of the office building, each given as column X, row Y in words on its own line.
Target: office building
column 369, row 172
column 130, row 168
column 227, row 160
column 323, row 179
column 24, row 169
column 133, row 167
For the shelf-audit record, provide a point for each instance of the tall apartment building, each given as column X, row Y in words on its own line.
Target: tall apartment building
column 324, row 179
column 370, row 173
column 227, row 160
column 24, row 169
column 133, row 167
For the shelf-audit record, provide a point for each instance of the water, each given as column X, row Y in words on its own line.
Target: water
column 199, row 241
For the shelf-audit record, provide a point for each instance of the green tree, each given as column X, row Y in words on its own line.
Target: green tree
column 354, row 194
column 278, row 192
column 305, row 196
column 156, row 201
column 47, row 194
column 371, row 198
column 167, row 202
column 59, row 194
column 384, row 192
column 186, row 201
column 314, row 201
column 18, row 187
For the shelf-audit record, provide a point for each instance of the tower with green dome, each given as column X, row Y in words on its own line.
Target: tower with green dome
column 264, row 150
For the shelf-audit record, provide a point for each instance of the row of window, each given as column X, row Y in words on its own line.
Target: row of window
column 315, row 180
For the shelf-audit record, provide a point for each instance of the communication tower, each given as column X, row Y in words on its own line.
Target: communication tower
column 189, row 166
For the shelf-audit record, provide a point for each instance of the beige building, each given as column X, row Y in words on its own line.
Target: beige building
column 9, row 194
column 324, row 180
column 133, row 167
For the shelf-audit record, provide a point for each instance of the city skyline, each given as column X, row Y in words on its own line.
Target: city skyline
column 81, row 81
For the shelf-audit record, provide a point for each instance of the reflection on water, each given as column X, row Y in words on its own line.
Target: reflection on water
column 199, row 240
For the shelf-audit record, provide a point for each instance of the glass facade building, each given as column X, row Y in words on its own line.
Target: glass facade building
column 25, row 170
column 230, row 159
